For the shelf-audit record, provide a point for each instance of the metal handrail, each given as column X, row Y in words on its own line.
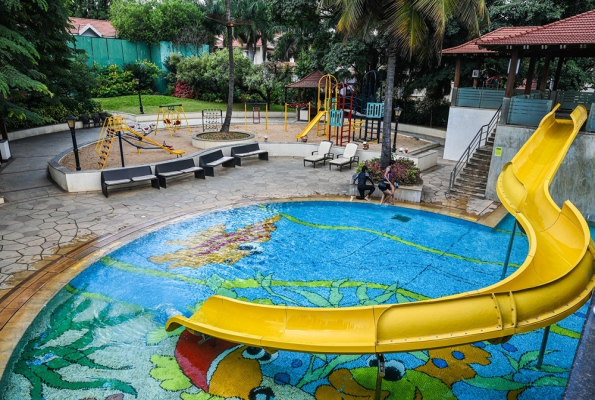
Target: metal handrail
column 479, row 140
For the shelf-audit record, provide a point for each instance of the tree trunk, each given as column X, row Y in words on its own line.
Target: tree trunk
column 264, row 52
column 250, row 47
column 227, row 122
column 385, row 153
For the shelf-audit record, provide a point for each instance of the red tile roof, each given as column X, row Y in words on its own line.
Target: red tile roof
column 579, row 29
column 472, row 48
column 309, row 81
column 105, row 28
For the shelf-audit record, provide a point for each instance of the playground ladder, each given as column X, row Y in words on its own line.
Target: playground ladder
column 106, row 139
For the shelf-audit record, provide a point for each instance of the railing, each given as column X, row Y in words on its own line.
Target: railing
column 528, row 112
column 591, row 120
column 479, row 140
column 569, row 100
column 479, row 98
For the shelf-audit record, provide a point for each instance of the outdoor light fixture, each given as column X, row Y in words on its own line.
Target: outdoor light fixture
column 398, row 112
column 71, row 120
column 140, row 102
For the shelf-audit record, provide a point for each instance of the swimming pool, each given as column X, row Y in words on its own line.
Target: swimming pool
column 103, row 334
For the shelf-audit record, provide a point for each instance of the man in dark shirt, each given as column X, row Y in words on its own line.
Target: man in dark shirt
column 362, row 179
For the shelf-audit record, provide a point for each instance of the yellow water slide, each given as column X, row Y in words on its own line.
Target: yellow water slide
column 312, row 124
column 554, row 281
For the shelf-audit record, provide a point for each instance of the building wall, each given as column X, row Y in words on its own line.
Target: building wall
column 463, row 125
column 575, row 179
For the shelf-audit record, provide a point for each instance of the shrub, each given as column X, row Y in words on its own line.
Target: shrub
column 183, row 90
column 55, row 112
column 404, row 171
column 116, row 81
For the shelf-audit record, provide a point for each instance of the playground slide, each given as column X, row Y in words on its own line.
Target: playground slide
column 154, row 143
column 311, row 124
column 554, row 281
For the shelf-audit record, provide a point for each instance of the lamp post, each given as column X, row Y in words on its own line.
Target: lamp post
column 398, row 112
column 71, row 120
column 140, row 101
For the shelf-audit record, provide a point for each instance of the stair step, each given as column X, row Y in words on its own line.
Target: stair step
column 478, row 167
column 469, row 192
column 473, row 180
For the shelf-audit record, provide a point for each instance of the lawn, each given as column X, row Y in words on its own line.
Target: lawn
column 151, row 104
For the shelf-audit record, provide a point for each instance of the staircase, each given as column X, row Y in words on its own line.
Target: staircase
column 469, row 177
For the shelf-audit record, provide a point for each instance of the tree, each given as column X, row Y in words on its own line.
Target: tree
column 154, row 21
column 413, row 27
column 94, row 9
column 227, row 122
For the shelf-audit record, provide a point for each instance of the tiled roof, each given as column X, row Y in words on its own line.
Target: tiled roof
column 105, row 28
column 309, row 81
column 472, row 48
column 579, row 29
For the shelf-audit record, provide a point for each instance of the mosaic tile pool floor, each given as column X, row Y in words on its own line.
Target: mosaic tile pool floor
column 103, row 337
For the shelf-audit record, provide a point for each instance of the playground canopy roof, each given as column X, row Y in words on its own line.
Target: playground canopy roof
column 570, row 37
column 309, row 81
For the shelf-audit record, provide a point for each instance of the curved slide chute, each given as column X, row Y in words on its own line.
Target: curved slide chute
column 554, row 281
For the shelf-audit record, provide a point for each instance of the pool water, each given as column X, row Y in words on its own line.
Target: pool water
column 103, row 335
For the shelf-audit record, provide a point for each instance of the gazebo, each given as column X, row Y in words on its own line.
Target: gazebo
column 508, row 114
column 310, row 81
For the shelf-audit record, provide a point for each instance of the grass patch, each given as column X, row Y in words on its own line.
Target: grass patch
column 151, row 103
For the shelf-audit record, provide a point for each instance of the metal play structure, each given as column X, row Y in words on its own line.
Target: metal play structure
column 133, row 134
column 171, row 116
column 256, row 110
column 369, row 108
column 212, row 119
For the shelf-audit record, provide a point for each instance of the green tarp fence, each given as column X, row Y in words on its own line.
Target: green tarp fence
column 116, row 51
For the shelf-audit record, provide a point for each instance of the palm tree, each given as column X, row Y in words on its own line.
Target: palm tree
column 414, row 27
column 227, row 122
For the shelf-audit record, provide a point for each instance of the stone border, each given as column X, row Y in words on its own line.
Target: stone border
column 204, row 144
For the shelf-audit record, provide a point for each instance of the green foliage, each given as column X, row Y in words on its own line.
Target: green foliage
column 404, row 171
column 94, row 9
column 154, row 21
column 46, row 354
column 114, row 80
column 426, row 112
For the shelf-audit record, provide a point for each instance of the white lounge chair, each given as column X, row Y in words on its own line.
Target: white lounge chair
column 348, row 157
column 322, row 154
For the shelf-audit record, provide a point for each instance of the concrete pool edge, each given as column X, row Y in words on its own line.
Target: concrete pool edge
column 21, row 305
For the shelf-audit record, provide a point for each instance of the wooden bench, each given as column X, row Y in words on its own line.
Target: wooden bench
column 177, row 168
column 247, row 150
column 211, row 160
column 127, row 175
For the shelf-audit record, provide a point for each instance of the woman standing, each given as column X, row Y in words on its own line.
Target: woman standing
column 387, row 180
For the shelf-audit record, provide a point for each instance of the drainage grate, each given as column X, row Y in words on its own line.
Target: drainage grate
column 401, row 218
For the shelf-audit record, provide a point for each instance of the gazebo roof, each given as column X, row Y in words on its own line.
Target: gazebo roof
column 472, row 48
column 576, row 30
column 309, row 81
column 570, row 37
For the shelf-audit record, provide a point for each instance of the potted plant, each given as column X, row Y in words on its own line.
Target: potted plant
column 366, row 146
column 305, row 139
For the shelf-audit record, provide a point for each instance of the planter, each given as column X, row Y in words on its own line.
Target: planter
column 201, row 143
column 410, row 194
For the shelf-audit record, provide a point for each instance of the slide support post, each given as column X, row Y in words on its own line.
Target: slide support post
column 505, row 268
column 381, row 374
column 546, row 333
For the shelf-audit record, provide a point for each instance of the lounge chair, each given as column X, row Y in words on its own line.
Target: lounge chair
column 348, row 157
column 322, row 154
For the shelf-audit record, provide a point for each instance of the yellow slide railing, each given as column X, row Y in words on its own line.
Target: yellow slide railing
column 554, row 281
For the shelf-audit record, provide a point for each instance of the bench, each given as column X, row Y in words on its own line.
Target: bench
column 176, row 168
column 127, row 175
column 211, row 160
column 248, row 150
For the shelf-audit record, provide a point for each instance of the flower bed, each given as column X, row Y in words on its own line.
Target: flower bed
column 405, row 173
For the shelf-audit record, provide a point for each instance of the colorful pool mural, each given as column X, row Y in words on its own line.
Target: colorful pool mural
column 102, row 336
